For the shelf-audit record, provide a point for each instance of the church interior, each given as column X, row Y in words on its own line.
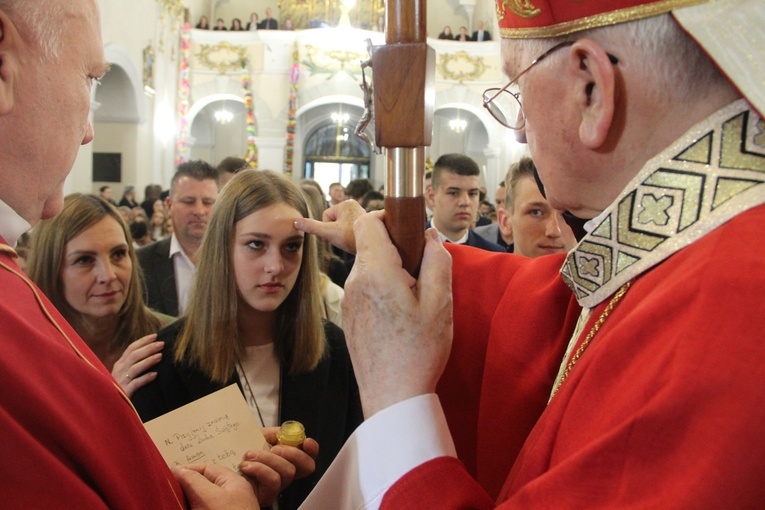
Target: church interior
column 286, row 99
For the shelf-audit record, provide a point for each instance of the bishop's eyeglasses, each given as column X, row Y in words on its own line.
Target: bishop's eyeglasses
column 505, row 104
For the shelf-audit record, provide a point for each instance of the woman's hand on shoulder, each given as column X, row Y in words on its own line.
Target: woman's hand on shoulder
column 131, row 370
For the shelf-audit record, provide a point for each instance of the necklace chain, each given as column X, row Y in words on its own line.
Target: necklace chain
column 248, row 393
column 595, row 328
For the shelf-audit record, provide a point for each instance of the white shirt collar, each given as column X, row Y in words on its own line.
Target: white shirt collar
column 175, row 247
column 11, row 225
column 461, row 240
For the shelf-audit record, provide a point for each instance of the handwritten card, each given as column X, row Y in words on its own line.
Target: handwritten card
column 216, row 429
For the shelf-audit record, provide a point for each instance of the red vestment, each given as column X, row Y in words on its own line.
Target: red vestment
column 70, row 438
column 486, row 322
column 665, row 406
column 664, row 409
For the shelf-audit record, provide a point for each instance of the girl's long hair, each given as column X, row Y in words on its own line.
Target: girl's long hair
column 209, row 340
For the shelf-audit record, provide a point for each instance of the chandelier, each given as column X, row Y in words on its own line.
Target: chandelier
column 223, row 116
column 458, row 125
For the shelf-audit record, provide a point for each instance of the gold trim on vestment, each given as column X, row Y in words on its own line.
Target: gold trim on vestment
column 597, row 20
column 569, row 366
column 4, row 248
column 713, row 173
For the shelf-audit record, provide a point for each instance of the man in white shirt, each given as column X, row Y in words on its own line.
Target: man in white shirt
column 169, row 264
column 336, row 193
column 481, row 34
column 453, row 197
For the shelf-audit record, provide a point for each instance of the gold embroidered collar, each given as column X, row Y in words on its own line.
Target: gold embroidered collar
column 714, row 172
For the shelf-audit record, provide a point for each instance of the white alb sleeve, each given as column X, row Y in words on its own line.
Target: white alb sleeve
column 382, row 450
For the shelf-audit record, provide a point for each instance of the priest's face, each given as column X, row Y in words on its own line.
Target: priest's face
column 557, row 95
column 49, row 103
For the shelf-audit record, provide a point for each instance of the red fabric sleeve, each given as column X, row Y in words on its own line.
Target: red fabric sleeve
column 71, row 439
column 665, row 407
column 497, row 333
column 417, row 490
column 663, row 410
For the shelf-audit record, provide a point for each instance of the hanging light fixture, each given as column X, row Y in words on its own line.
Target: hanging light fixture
column 340, row 118
column 458, row 125
column 223, row 116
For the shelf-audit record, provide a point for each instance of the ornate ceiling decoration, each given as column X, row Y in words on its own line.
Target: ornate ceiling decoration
column 223, row 57
column 332, row 61
column 461, row 67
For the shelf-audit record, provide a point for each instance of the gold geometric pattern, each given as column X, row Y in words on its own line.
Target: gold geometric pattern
column 759, row 136
column 655, row 210
column 700, row 182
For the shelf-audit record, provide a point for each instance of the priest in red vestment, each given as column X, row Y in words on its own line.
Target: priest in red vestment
column 70, row 436
column 627, row 373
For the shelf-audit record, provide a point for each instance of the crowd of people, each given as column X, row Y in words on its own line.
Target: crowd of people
column 619, row 369
column 254, row 23
column 146, row 257
column 479, row 35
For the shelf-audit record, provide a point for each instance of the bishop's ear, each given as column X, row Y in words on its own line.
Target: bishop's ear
column 594, row 76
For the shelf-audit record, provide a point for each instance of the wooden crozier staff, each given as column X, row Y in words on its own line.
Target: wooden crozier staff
column 404, row 96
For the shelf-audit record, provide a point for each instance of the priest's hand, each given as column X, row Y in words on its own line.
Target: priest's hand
column 337, row 225
column 412, row 319
column 213, row 487
column 131, row 370
column 270, row 472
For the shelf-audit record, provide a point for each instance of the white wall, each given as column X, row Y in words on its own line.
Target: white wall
column 149, row 147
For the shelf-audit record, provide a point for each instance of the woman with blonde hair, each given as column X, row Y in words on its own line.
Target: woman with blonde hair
column 84, row 261
column 255, row 319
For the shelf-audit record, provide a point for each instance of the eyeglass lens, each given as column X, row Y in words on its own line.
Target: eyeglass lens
column 506, row 108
